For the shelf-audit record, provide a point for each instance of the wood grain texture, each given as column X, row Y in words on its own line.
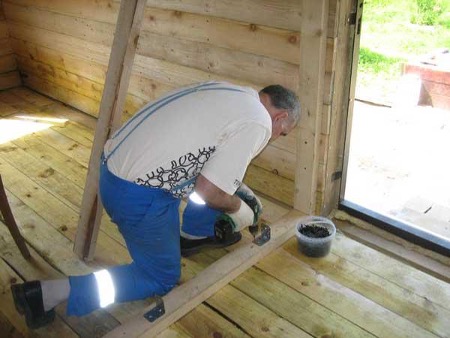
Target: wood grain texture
column 312, row 74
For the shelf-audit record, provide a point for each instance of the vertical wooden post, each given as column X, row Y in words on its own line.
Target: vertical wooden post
column 11, row 223
column 313, row 36
column 116, row 84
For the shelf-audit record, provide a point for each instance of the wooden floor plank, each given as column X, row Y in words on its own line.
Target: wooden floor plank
column 54, row 162
column 7, row 329
column 58, row 214
column 52, row 157
column 340, row 299
column 205, row 322
column 402, row 275
column 414, row 308
column 44, row 175
column 288, row 303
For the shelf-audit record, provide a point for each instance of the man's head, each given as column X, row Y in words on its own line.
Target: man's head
column 283, row 107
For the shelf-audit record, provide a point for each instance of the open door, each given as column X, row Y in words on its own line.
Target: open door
column 395, row 171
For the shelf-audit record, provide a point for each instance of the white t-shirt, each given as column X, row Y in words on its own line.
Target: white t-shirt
column 212, row 128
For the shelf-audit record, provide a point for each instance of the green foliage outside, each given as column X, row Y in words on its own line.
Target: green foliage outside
column 395, row 31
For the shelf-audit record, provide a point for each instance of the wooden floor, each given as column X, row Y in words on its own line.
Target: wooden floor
column 355, row 291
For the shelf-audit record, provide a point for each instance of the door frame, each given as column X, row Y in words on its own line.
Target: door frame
column 397, row 227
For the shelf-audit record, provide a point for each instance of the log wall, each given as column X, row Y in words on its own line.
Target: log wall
column 9, row 76
column 62, row 50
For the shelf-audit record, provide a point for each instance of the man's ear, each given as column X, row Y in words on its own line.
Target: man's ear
column 281, row 114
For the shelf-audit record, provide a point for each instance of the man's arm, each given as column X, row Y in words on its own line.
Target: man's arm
column 215, row 197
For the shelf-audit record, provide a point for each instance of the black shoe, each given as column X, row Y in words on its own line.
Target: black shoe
column 192, row 246
column 28, row 301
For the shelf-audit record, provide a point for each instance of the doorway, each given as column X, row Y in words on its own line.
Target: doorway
column 397, row 167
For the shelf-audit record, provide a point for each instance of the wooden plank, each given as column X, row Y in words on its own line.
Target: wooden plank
column 4, row 32
column 100, row 10
column 278, row 44
column 157, row 70
column 7, row 63
column 6, row 110
column 404, row 276
column 62, row 94
column 274, row 43
column 117, row 80
column 402, row 251
column 69, row 80
column 278, row 161
column 281, row 14
column 312, row 71
column 142, row 87
column 220, row 61
column 55, row 155
column 5, row 47
column 391, row 293
column 374, row 318
column 10, row 80
column 86, row 29
column 205, row 56
column 58, row 214
column 244, row 311
column 10, row 222
column 60, row 59
column 277, row 187
column 7, row 328
column 314, row 318
column 188, row 295
column 46, row 176
column 206, row 322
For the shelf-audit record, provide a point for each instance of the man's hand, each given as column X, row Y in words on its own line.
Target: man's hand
column 249, row 197
column 239, row 219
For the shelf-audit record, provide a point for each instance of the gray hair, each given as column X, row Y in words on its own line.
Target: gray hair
column 283, row 98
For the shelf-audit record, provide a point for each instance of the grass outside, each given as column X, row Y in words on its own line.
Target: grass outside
column 394, row 32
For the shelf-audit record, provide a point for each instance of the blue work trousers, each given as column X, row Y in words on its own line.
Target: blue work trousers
column 148, row 219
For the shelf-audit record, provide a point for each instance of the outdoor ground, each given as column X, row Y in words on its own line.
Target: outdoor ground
column 399, row 163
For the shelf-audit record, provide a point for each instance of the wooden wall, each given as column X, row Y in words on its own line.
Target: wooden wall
column 62, row 49
column 9, row 76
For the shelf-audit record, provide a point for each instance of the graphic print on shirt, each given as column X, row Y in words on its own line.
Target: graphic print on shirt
column 179, row 179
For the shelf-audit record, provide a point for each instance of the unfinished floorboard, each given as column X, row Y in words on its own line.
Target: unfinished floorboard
column 423, row 259
column 356, row 308
column 313, row 318
column 58, row 214
column 44, row 175
column 428, row 321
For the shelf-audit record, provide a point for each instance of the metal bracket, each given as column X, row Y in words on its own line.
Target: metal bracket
column 157, row 311
column 264, row 237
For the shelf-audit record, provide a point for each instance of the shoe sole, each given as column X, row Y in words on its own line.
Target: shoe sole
column 192, row 251
column 23, row 308
column 19, row 298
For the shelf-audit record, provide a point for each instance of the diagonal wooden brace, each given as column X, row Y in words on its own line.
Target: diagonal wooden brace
column 113, row 99
column 11, row 223
column 187, row 296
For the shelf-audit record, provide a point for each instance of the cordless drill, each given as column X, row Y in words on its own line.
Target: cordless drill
column 223, row 230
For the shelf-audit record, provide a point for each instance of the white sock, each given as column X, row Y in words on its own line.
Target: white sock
column 54, row 292
column 187, row 236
